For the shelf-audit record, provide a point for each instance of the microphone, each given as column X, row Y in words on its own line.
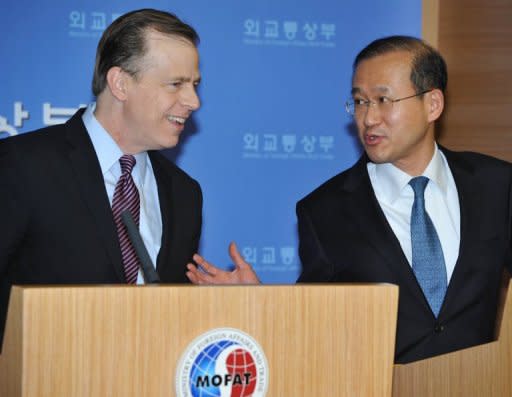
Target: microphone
column 148, row 270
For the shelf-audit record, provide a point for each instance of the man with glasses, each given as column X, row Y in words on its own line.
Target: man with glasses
column 435, row 222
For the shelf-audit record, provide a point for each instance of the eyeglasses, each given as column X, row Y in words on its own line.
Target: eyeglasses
column 383, row 103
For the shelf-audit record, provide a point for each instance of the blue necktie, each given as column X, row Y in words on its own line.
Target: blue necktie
column 427, row 254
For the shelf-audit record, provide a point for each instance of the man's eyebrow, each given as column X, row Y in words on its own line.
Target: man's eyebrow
column 181, row 79
column 383, row 89
column 380, row 89
column 186, row 79
column 355, row 90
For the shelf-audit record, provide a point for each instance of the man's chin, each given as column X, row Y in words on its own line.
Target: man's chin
column 169, row 143
column 377, row 158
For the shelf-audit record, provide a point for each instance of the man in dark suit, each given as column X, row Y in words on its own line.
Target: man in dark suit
column 59, row 184
column 445, row 246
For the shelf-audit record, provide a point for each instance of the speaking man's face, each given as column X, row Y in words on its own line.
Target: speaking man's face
column 392, row 132
column 161, row 98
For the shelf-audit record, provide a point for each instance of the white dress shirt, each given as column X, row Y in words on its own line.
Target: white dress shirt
column 395, row 196
column 108, row 153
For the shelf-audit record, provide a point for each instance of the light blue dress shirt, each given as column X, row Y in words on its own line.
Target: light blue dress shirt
column 108, row 153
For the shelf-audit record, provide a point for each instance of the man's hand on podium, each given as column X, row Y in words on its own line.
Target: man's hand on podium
column 207, row 273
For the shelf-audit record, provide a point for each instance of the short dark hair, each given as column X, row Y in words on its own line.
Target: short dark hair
column 428, row 68
column 123, row 43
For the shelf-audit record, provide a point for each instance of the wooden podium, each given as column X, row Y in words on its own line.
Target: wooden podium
column 319, row 340
column 484, row 370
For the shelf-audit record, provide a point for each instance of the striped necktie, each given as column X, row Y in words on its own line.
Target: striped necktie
column 126, row 197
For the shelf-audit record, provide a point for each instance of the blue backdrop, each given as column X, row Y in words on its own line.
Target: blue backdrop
column 272, row 127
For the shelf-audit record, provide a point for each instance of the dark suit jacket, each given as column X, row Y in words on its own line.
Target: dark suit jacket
column 345, row 237
column 56, row 221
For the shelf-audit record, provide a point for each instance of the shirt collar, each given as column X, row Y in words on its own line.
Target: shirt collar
column 392, row 181
column 107, row 150
column 437, row 171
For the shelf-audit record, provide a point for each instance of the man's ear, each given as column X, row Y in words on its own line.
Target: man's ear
column 117, row 82
column 435, row 104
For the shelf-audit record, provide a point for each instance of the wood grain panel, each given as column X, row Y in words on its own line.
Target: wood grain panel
column 475, row 372
column 324, row 340
column 475, row 37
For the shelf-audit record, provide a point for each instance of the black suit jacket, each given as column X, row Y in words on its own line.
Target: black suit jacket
column 56, row 221
column 345, row 237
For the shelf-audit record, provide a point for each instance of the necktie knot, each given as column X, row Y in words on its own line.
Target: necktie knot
column 418, row 185
column 127, row 162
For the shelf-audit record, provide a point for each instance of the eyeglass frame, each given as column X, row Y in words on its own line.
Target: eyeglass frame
column 369, row 102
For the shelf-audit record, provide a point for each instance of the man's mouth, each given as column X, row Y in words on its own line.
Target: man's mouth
column 176, row 119
column 371, row 139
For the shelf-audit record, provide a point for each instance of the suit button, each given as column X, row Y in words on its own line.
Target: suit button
column 438, row 328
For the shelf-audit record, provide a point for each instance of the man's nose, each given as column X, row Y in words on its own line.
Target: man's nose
column 190, row 99
column 372, row 114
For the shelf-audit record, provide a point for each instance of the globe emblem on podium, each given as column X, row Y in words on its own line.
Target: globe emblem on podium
column 224, row 362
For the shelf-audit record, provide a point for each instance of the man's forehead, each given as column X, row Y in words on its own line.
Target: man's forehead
column 382, row 71
column 154, row 36
column 165, row 49
column 385, row 60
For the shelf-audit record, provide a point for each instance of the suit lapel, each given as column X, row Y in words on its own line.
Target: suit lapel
column 89, row 179
column 380, row 235
column 167, row 210
column 469, row 200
